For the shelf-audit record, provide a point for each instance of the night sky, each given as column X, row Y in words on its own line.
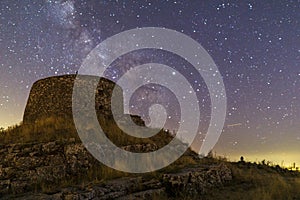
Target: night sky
column 255, row 44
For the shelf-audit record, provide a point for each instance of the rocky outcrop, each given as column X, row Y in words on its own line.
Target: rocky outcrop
column 196, row 181
column 24, row 168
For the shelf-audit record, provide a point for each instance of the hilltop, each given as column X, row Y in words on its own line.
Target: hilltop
column 43, row 158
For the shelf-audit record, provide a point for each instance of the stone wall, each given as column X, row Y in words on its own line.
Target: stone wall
column 53, row 97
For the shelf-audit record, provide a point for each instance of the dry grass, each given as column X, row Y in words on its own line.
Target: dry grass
column 47, row 129
column 257, row 181
column 57, row 128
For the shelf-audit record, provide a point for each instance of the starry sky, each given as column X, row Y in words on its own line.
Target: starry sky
column 255, row 44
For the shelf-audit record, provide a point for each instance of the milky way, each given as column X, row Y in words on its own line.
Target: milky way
column 256, row 45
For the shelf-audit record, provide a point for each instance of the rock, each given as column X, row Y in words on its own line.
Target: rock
column 5, row 186
column 137, row 148
column 50, row 147
column 148, row 194
column 196, row 181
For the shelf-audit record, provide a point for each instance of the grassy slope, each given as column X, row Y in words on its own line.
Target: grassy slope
column 250, row 181
column 258, row 181
column 54, row 128
column 59, row 129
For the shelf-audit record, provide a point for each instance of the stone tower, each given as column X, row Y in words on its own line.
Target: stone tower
column 52, row 97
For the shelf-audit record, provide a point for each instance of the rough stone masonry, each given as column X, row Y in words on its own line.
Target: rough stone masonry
column 53, row 97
